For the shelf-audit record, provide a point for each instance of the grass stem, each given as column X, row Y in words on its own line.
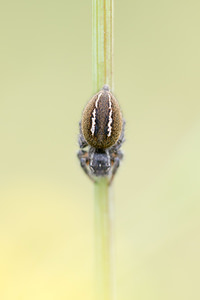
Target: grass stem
column 102, row 51
column 102, row 43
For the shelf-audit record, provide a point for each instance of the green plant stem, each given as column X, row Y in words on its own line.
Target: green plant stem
column 104, row 241
column 102, row 43
column 102, row 50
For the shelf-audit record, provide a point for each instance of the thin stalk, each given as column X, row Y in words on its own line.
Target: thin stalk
column 104, row 241
column 102, row 43
column 102, row 50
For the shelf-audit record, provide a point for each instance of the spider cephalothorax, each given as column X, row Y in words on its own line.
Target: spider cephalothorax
column 102, row 129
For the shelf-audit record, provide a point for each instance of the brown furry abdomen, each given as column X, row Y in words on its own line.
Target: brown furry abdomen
column 102, row 120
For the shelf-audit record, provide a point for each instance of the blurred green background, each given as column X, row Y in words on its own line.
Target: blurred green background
column 46, row 201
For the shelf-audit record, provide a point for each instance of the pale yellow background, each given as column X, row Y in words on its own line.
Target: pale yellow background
column 46, row 202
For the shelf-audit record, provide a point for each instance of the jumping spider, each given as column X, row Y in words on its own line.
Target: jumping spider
column 102, row 130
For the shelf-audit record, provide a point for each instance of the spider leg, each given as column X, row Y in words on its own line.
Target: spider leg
column 84, row 161
column 121, row 138
column 115, row 160
column 81, row 140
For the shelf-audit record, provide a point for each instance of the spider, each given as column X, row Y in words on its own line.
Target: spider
column 102, row 131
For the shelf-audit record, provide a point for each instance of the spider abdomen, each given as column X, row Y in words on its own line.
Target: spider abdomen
column 102, row 120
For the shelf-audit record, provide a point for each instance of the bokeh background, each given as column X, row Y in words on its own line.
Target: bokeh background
column 46, row 201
